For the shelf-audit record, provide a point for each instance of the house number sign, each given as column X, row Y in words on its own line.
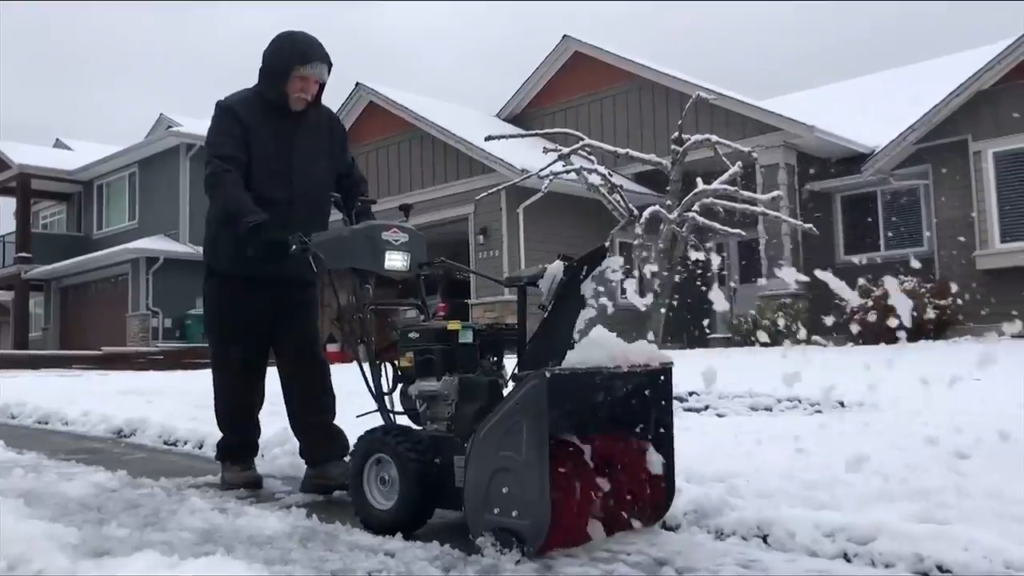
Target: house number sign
column 487, row 254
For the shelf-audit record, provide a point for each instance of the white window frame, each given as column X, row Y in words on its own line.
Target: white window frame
column 54, row 213
column 97, row 193
column 992, row 199
column 878, row 190
column 36, row 314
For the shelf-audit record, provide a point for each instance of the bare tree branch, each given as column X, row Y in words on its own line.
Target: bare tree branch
column 673, row 221
column 584, row 143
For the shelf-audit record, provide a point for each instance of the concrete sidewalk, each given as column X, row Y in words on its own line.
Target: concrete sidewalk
column 142, row 461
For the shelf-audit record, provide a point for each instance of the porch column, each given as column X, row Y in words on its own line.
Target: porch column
column 23, row 219
column 781, row 246
column 22, row 256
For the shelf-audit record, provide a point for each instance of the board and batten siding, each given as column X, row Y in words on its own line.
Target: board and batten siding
column 640, row 115
column 562, row 224
column 990, row 114
column 956, row 150
column 413, row 161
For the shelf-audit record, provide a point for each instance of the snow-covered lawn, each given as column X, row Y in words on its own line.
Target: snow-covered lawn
column 907, row 458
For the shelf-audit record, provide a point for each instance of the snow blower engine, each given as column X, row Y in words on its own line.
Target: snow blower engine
column 542, row 458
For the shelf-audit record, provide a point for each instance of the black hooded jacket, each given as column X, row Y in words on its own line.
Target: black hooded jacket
column 264, row 160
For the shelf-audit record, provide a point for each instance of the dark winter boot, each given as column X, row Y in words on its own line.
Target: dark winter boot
column 325, row 479
column 240, row 476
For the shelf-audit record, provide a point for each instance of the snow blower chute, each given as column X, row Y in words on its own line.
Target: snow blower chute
column 567, row 455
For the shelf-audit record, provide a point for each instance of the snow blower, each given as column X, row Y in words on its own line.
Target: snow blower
column 541, row 458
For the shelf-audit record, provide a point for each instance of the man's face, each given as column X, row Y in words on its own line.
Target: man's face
column 301, row 88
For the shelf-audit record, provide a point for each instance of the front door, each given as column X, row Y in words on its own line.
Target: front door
column 739, row 277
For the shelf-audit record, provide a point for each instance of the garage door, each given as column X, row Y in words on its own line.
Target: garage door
column 92, row 314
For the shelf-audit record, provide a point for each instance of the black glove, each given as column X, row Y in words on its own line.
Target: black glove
column 266, row 244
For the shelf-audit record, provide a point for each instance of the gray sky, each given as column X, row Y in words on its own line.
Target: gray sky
column 104, row 71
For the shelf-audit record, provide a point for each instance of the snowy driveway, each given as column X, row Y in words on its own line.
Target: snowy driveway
column 807, row 460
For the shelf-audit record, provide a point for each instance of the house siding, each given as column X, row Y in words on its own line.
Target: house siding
column 413, row 161
column 53, row 247
column 992, row 113
column 640, row 115
column 561, row 224
column 177, row 286
column 820, row 253
column 198, row 203
column 960, row 185
column 158, row 202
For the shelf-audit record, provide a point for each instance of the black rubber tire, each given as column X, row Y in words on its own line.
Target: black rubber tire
column 410, row 451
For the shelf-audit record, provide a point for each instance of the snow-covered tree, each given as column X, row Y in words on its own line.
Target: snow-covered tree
column 675, row 223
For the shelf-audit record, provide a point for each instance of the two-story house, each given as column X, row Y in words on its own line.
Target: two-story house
column 915, row 170
column 103, row 253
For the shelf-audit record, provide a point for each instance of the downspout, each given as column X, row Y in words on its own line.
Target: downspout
column 522, row 227
column 149, row 302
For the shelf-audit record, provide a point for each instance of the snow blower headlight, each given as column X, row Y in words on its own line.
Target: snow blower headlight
column 396, row 261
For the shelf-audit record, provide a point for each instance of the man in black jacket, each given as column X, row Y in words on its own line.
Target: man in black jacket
column 274, row 156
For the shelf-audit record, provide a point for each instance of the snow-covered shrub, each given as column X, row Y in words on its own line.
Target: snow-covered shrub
column 934, row 308
column 772, row 323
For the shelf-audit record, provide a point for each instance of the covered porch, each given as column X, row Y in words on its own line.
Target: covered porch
column 48, row 229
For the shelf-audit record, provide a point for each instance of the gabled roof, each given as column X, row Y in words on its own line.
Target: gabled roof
column 45, row 157
column 879, row 109
column 88, row 164
column 984, row 75
column 815, row 136
column 465, row 129
column 179, row 123
column 94, row 149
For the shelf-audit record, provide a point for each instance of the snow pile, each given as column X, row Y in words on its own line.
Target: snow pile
column 602, row 348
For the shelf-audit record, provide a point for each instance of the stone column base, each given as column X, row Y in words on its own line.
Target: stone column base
column 139, row 329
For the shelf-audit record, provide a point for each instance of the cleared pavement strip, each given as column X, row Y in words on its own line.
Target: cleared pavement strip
column 140, row 461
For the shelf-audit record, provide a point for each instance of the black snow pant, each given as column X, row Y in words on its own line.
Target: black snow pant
column 245, row 319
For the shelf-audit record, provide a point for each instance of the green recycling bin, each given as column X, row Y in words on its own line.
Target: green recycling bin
column 195, row 327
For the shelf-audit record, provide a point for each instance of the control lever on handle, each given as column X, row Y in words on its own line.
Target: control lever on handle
column 301, row 244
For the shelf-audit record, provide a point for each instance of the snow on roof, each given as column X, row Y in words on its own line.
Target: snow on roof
column 473, row 126
column 44, row 156
column 152, row 246
column 189, row 125
column 876, row 108
column 94, row 149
